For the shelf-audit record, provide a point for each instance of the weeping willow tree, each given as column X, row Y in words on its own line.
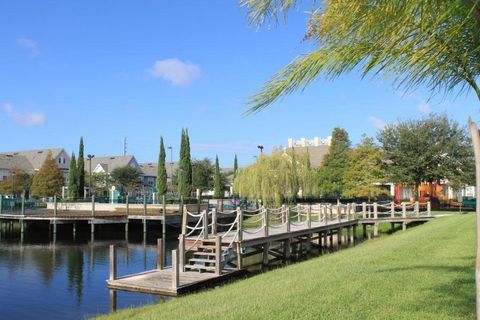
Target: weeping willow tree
column 419, row 42
column 275, row 179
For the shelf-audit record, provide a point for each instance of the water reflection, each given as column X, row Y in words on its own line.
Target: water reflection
column 65, row 278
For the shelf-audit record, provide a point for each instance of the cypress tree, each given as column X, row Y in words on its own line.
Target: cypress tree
column 81, row 170
column 217, row 182
column 161, row 171
column 181, row 161
column 188, row 162
column 72, row 178
column 235, row 166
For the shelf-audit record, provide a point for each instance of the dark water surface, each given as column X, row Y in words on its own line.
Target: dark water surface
column 64, row 278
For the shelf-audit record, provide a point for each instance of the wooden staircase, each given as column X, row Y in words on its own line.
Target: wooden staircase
column 205, row 257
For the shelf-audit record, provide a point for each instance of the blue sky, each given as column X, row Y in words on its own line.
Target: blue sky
column 106, row 70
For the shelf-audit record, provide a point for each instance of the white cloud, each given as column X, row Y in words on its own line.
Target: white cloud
column 29, row 45
column 175, row 71
column 424, row 107
column 28, row 119
column 377, row 122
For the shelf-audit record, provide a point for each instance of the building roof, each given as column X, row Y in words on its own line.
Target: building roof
column 35, row 157
column 316, row 153
column 9, row 162
column 150, row 169
column 110, row 163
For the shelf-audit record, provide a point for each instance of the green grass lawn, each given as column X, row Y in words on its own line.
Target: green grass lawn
column 426, row 272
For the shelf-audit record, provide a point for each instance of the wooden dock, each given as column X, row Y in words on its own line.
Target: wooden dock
column 213, row 249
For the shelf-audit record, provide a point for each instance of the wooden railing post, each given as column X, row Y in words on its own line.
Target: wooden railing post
column 287, row 213
column 375, row 210
column 347, row 211
column 184, row 219
column 265, row 222
column 299, row 215
column 23, row 204
column 218, row 255
column 214, row 221
column 417, row 209
column 339, row 212
column 145, row 205
column 429, row 208
column 181, row 253
column 205, row 224
column 175, row 270
column 113, row 263
column 93, row 206
column 309, row 216
column 364, row 210
column 127, row 205
column 392, row 209
column 283, row 213
column 404, row 210
column 160, row 254
column 240, row 224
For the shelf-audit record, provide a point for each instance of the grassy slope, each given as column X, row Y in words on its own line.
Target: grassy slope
column 426, row 272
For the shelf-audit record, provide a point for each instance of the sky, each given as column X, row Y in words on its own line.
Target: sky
column 109, row 70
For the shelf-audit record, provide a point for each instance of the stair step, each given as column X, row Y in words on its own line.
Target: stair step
column 203, row 253
column 201, row 260
column 199, row 267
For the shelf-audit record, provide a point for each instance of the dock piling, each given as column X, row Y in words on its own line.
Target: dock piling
column 113, row 263
column 160, row 254
column 175, row 270
column 218, row 255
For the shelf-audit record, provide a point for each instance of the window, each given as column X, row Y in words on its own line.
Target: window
column 63, row 160
column 59, row 160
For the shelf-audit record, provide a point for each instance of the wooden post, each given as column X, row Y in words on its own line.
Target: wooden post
column 214, row 221
column 160, row 254
column 404, row 210
column 404, row 226
column 429, row 209
column 354, row 234
column 339, row 212
column 54, row 214
column 93, row 206
column 339, row 237
column 218, row 255
column 113, row 263
column 392, row 209
column 144, row 225
column 330, row 212
column 354, row 210
column 417, row 209
column 184, row 219
column 331, row 239
column 265, row 222
column 113, row 300
column 375, row 210
column 309, row 216
column 283, row 213
column 375, row 229
column 1, row 204
column 287, row 250
column 240, row 224
column 181, row 253
column 127, row 205
column 144, row 204
column 364, row 227
column 265, row 254
column 364, row 210
column 175, row 270
column 299, row 216
column 238, row 248
column 325, row 239
column 164, row 216
column 23, row 203
column 288, row 219
column 205, row 224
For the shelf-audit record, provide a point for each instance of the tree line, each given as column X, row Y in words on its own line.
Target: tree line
column 433, row 149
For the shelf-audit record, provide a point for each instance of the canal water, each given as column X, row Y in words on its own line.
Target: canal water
column 64, row 278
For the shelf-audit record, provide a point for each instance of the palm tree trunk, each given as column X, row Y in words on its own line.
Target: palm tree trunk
column 476, row 148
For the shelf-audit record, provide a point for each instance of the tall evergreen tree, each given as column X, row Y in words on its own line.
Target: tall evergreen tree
column 161, row 171
column 235, row 166
column 217, row 182
column 188, row 162
column 48, row 181
column 72, row 178
column 330, row 175
column 81, row 170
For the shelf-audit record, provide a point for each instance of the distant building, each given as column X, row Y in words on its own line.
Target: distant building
column 317, row 148
column 30, row 161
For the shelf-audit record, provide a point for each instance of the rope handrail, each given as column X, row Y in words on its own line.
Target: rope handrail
column 231, row 227
column 253, row 232
column 252, row 215
column 195, row 215
column 297, row 224
column 200, row 235
column 226, row 213
column 195, row 227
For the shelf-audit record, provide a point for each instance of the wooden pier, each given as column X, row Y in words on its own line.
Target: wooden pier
column 214, row 245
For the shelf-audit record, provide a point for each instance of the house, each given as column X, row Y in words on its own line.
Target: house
column 317, row 148
column 30, row 161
